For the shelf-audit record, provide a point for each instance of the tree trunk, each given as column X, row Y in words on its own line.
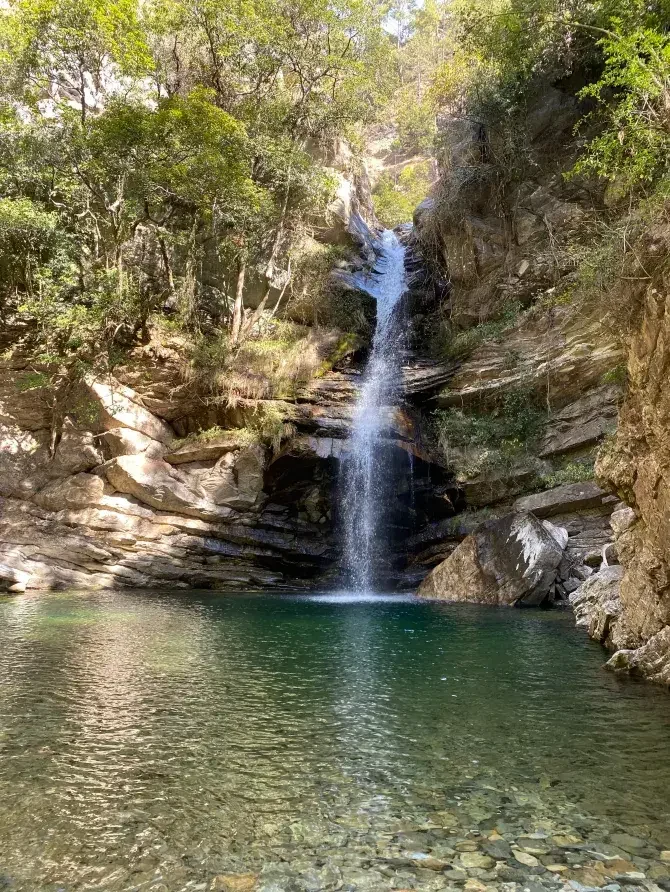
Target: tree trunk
column 239, row 301
column 166, row 264
column 269, row 269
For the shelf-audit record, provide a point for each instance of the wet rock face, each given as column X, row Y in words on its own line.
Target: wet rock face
column 506, row 562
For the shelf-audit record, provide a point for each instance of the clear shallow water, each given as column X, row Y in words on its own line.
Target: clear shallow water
column 153, row 742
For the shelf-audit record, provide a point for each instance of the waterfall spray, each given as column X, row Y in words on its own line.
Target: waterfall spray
column 366, row 481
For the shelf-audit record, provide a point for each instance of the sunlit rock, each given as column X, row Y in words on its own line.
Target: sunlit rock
column 158, row 484
column 125, row 441
column 78, row 491
column 120, row 406
column 76, row 451
column 597, row 605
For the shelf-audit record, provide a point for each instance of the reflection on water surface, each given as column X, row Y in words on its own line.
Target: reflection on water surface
column 157, row 741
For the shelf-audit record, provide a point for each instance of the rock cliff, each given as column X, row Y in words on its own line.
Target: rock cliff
column 636, row 464
column 515, row 303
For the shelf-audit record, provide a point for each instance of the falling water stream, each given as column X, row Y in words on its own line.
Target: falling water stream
column 366, row 481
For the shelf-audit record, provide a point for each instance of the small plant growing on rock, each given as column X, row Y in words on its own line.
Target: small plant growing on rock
column 571, row 472
column 618, row 375
column 490, row 439
column 461, row 344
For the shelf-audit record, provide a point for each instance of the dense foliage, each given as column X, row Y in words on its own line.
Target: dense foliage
column 620, row 49
column 165, row 157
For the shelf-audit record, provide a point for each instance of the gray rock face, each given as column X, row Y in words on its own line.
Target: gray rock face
column 569, row 497
column 652, row 660
column 596, row 604
column 425, row 377
column 505, row 562
column 582, row 423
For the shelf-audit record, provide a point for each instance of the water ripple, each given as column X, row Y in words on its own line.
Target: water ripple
column 148, row 740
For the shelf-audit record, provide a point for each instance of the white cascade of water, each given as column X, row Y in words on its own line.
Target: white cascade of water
column 366, row 481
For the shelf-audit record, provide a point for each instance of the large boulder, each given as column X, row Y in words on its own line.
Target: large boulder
column 506, row 562
column 159, row 485
column 75, row 492
column 235, row 480
column 120, row 406
column 76, row 451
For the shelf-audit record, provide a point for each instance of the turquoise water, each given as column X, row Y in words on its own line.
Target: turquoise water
column 157, row 741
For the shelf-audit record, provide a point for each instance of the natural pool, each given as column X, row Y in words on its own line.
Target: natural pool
column 159, row 741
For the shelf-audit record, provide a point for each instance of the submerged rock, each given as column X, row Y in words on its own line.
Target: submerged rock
column 234, row 882
column 505, row 562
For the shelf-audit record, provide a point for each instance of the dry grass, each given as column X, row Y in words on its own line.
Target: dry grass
column 279, row 363
column 272, row 365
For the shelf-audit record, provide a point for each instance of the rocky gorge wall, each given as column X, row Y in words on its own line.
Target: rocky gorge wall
column 515, row 244
column 636, row 465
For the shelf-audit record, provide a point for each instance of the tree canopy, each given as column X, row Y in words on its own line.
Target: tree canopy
column 156, row 157
column 152, row 153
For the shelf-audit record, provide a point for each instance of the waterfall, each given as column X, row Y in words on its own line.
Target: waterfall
column 366, row 479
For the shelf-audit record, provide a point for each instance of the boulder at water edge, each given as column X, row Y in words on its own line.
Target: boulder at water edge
column 505, row 562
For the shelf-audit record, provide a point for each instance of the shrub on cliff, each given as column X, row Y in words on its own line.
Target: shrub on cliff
column 502, row 52
column 633, row 105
